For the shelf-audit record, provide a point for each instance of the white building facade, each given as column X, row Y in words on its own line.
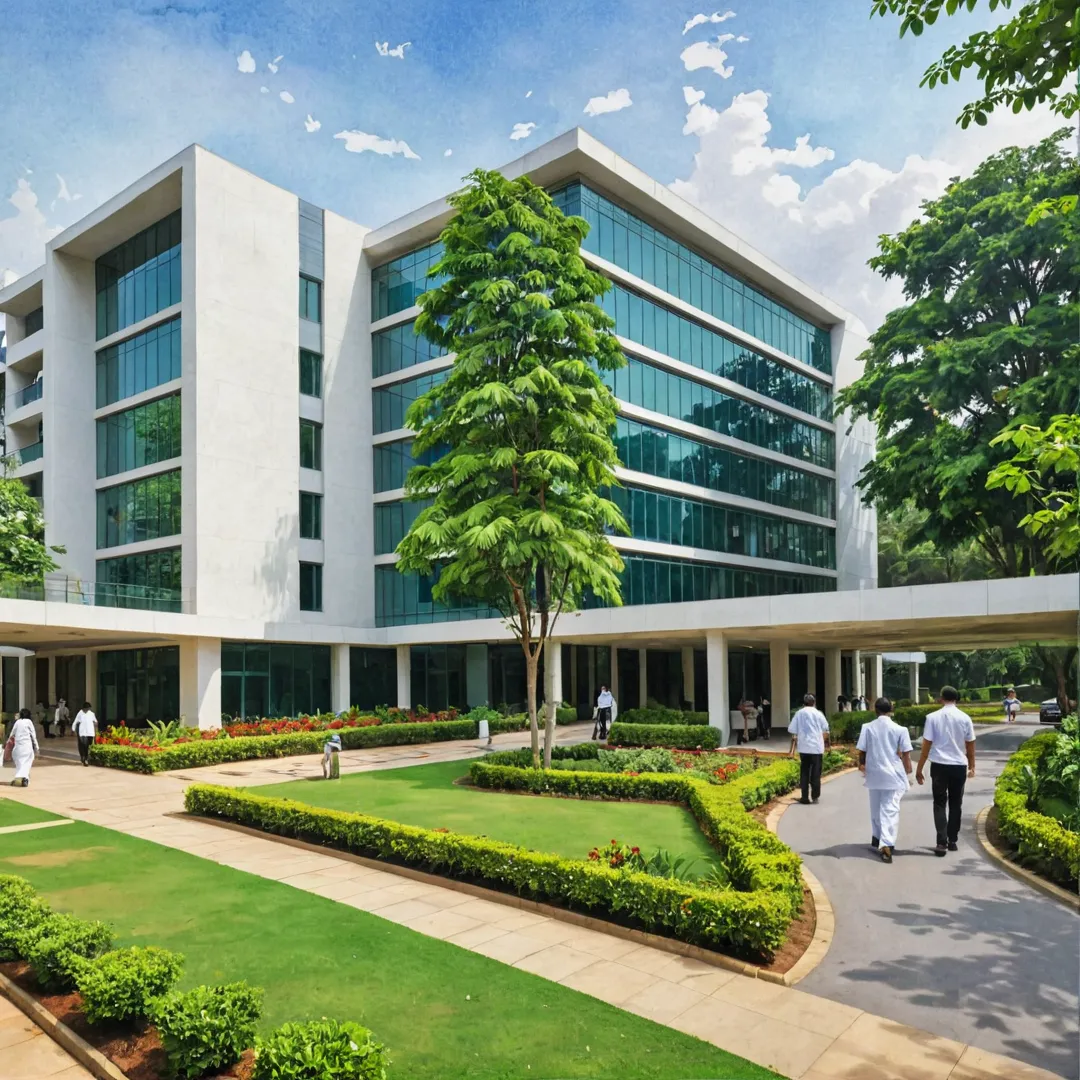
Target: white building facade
column 224, row 468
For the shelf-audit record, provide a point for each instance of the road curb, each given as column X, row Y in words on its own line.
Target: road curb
column 1047, row 888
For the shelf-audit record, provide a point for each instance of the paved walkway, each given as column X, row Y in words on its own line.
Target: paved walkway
column 954, row 945
column 800, row 1035
column 27, row 1053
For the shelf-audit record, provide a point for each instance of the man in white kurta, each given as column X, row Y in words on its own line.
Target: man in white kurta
column 24, row 746
column 885, row 760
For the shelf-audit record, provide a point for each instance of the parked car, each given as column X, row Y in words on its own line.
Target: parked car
column 1050, row 712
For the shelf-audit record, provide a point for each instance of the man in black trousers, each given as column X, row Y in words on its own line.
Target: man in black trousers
column 949, row 743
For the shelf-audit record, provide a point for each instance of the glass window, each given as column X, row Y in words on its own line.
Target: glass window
column 394, row 460
column 398, row 348
column 141, row 436
column 438, row 677
column 405, row 599
column 311, row 586
column 390, row 403
column 150, row 580
column 372, row 677
column 310, row 373
column 260, row 679
column 310, row 516
column 138, row 685
column 310, row 299
column 393, row 521
column 33, row 322
column 140, row 510
column 312, row 237
column 398, row 284
column 310, row 445
column 140, row 363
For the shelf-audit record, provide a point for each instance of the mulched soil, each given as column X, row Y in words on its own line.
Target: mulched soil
column 139, row 1055
column 799, row 935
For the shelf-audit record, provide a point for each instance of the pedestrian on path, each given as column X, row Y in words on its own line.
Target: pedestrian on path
column 23, row 746
column 85, row 728
column 605, row 711
column 949, row 743
column 1012, row 705
column 885, row 761
column 63, row 717
column 331, row 763
column 810, row 734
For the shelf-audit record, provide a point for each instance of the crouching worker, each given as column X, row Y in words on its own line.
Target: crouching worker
column 885, row 760
column 331, row 763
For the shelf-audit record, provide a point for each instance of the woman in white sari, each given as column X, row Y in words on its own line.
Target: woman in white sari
column 24, row 747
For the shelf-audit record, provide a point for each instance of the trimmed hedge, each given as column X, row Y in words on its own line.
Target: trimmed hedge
column 659, row 714
column 845, row 726
column 1042, row 842
column 673, row 736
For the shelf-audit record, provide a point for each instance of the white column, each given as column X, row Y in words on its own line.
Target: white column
column 26, row 682
column 614, row 687
column 643, row 677
column 553, row 661
column 913, row 681
column 688, row 674
column 716, row 666
column 404, row 677
column 857, row 673
column 340, row 679
column 877, row 679
column 832, row 681
column 200, row 682
column 780, row 680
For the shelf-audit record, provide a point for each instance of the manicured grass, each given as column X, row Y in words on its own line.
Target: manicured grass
column 13, row 812
column 444, row 1012
column 425, row 795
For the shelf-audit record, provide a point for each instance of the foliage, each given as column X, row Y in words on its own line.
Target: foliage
column 516, row 519
column 660, row 863
column 660, row 714
column 674, row 736
column 58, row 947
column 979, row 348
column 906, row 559
column 1021, row 63
column 653, row 760
column 566, row 714
column 208, row 1028
column 21, row 910
column 1046, row 467
column 845, row 726
column 121, row 985
column 320, row 1050
column 24, row 557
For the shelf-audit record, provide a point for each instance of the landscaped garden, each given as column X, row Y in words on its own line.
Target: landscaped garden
column 440, row 1011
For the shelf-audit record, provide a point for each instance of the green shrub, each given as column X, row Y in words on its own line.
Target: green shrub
column 320, row 1050
column 208, row 1028
column 21, row 910
column 566, row 714
column 514, row 722
column 660, row 714
column 58, row 947
column 845, row 726
column 121, row 985
column 655, row 759
column 673, row 736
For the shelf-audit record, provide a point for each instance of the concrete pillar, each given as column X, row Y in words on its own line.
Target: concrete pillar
column 780, row 680
column 200, row 682
column 404, row 677
column 857, row 673
column 832, row 681
column 27, row 690
column 614, row 688
column 688, row 674
column 913, row 681
column 340, row 679
column 877, row 679
column 643, row 677
column 476, row 673
column 716, row 666
column 811, row 674
column 553, row 664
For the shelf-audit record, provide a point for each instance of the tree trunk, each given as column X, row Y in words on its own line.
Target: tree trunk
column 549, row 712
column 532, row 661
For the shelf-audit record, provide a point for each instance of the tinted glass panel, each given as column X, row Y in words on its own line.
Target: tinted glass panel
column 310, row 445
column 137, row 685
column 372, row 677
column 258, row 679
column 311, row 586
column 140, row 363
column 397, row 284
column 310, row 373
column 137, row 437
column 140, row 510
column 150, row 580
column 400, row 347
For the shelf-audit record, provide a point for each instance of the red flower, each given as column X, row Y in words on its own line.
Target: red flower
column 635, row 851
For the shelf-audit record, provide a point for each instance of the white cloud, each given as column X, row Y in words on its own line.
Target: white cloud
column 522, row 131
column 824, row 230
column 24, row 234
column 273, row 64
column 383, row 49
column 692, row 96
column 64, row 195
column 245, row 63
column 705, row 54
column 264, row 89
column 311, row 124
column 700, row 20
column 528, row 93
column 447, row 153
column 612, row 101
column 286, row 97
column 357, row 142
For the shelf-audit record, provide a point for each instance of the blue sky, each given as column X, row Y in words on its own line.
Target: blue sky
column 99, row 92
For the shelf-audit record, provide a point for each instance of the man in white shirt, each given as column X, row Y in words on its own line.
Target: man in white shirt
column 885, row 760
column 85, row 728
column 949, row 743
column 810, row 734
column 605, row 702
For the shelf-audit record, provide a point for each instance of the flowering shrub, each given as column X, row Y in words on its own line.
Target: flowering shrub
column 619, row 856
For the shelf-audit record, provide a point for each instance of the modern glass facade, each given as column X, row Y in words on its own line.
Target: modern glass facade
column 372, row 677
column 438, row 677
column 260, row 679
column 396, row 285
column 150, row 580
column 140, row 510
column 311, row 575
column 405, row 599
column 141, row 436
column 139, row 363
column 393, row 461
column 390, row 403
column 310, row 516
column 630, row 243
column 398, row 348
column 137, row 685
column 310, row 445
column 392, row 522
column 310, row 373
column 140, row 277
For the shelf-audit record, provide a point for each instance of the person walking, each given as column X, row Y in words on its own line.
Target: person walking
column 40, row 716
column 1012, row 705
column 331, row 763
column 749, row 720
column 85, row 728
column 23, row 746
column 765, row 720
column 885, row 761
column 605, row 703
column 63, row 717
column 810, row 735
column 949, row 743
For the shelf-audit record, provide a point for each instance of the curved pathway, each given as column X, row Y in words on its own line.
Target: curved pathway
column 954, row 946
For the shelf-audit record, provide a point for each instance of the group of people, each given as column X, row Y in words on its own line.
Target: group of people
column 756, row 718
column 21, row 746
column 858, row 703
column 948, row 744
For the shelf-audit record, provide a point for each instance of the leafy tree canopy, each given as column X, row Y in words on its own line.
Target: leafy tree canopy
column 979, row 348
column 24, row 557
column 905, row 561
column 1024, row 62
column 517, row 519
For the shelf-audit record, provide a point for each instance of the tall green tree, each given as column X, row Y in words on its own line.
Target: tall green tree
column 905, row 561
column 24, row 557
column 979, row 348
column 1031, row 59
column 517, row 518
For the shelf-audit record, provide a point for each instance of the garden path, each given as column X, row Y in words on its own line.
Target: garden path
column 953, row 945
column 798, row 1034
column 27, row 1053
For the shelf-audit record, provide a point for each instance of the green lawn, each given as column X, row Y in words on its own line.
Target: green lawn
column 13, row 812
column 425, row 795
column 444, row 1012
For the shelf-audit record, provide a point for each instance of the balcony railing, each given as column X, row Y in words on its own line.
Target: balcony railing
column 24, row 455
column 27, row 394
column 66, row 590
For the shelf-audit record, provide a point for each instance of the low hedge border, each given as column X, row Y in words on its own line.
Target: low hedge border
column 1042, row 843
column 673, row 736
column 662, row 715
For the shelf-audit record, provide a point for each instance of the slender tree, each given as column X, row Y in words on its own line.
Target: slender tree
column 517, row 516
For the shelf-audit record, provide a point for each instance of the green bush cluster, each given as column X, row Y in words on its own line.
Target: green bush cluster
column 208, row 1028
column 59, row 946
column 661, row 714
column 21, row 911
column 122, row 985
column 1041, row 842
column 320, row 1050
column 845, row 726
column 673, row 736
column 566, row 714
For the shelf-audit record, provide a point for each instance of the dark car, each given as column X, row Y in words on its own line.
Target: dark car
column 1050, row 712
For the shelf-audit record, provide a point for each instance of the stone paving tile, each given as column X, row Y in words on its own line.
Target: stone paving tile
column 469, row 939
column 15, row 1029
column 662, row 1002
column 509, row 947
column 718, row 1022
column 708, row 982
column 555, row 962
column 976, row 1064
column 443, row 924
column 819, row 1015
column 776, row 1045
column 37, row 1058
column 401, row 911
column 610, row 981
